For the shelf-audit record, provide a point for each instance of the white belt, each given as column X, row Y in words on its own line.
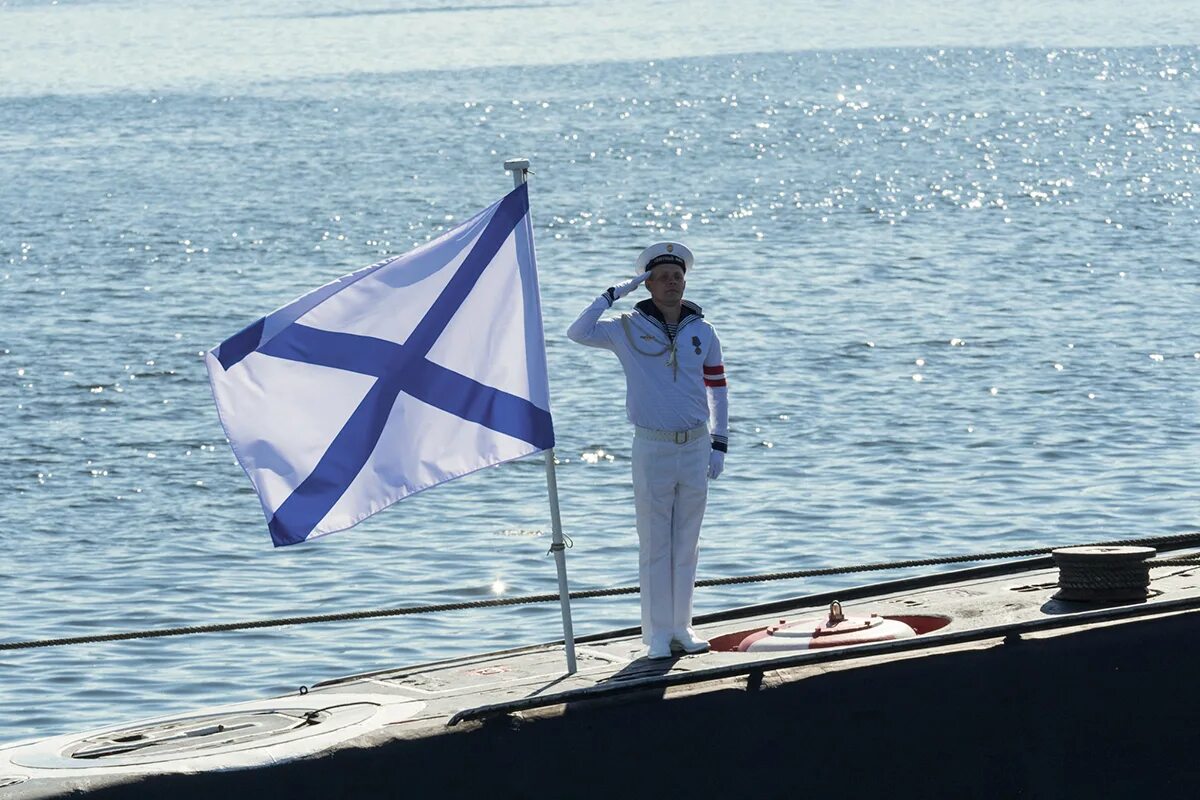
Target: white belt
column 678, row 437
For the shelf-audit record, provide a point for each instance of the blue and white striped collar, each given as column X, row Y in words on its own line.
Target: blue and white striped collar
column 689, row 312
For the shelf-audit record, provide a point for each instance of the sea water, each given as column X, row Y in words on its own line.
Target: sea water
column 951, row 250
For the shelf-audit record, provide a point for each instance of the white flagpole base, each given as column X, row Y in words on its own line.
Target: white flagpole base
column 560, row 561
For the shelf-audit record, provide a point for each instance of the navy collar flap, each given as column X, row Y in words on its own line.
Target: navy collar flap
column 689, row 309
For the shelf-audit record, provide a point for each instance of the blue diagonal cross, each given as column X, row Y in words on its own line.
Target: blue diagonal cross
column 399, row 368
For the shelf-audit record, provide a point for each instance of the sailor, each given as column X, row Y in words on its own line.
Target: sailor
column 677, row 400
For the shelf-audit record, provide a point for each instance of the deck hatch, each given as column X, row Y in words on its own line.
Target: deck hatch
column 222, row 735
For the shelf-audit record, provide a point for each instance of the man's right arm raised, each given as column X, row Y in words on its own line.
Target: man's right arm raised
column 588, row 328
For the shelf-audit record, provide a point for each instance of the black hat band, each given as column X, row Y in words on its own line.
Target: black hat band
column 666, row 258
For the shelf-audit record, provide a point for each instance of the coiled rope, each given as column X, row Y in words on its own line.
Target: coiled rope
column 1178, row 539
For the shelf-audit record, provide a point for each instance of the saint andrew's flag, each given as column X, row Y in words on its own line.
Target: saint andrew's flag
column 392, row 379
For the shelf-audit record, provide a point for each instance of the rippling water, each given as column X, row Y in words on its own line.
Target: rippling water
column 951, row 252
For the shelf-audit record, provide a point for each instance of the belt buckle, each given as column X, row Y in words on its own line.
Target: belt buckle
column 681, row 437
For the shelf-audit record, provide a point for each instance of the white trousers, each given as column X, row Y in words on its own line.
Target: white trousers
column 670, row 489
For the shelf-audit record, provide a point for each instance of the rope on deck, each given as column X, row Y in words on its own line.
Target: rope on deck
column 1179, row 561
column 1177, row 539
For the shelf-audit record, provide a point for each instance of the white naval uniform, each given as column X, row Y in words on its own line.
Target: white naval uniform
column 674, row 396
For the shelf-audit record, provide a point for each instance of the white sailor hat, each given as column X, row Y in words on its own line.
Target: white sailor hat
column 665, row 253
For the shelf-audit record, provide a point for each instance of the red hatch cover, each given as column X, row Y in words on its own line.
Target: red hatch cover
column 835, row 631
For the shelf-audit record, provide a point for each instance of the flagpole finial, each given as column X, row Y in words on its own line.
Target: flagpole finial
column 519, row 167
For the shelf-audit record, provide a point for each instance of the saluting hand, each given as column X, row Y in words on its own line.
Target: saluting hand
column 622, row 289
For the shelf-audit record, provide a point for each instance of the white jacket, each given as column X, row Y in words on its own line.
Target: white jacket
column 669, row 385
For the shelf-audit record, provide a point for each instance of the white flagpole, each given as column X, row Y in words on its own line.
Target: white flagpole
column 519, row 167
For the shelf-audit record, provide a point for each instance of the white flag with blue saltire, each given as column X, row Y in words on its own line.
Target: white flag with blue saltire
column 392, row 379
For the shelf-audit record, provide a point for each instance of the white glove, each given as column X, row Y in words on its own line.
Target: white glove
column 716, row 464
column 615, row 293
